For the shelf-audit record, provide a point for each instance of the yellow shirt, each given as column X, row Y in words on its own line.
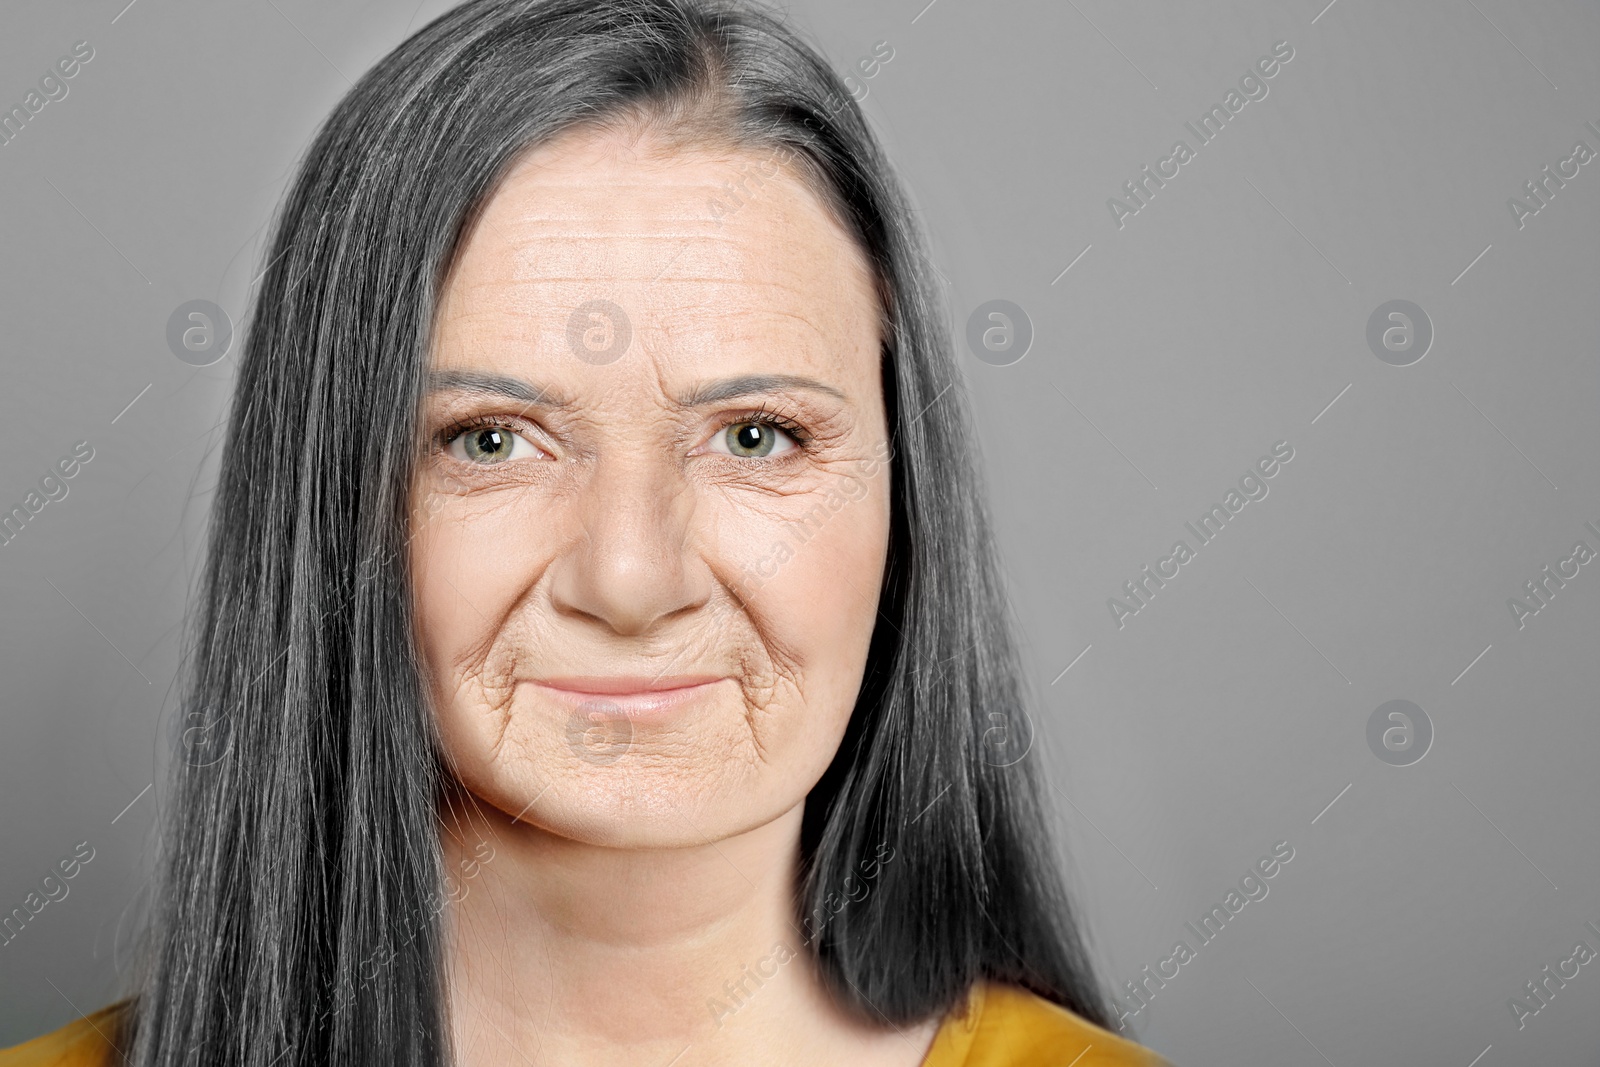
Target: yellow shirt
column 1005, row 1026
column 1002, row 1026
column 85, row 1043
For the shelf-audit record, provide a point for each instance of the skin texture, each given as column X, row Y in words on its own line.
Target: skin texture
column 614, row 876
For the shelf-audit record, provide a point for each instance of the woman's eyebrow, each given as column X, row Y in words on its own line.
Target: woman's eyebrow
column 503, row 385
column 751, row 384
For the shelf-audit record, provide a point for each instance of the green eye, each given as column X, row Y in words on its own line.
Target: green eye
column 488, row 445
column 755, row 440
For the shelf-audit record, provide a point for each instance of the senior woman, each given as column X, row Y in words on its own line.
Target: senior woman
column 601, row 659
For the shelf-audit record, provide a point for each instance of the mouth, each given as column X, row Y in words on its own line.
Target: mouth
column 633, row 698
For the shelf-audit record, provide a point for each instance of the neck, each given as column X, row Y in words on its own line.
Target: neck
column 558, row 951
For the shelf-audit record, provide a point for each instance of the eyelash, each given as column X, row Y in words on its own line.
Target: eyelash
column 762, row 415
column 767, row 417
column 448, row 435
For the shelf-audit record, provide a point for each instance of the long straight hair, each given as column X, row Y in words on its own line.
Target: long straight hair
column 295, row 919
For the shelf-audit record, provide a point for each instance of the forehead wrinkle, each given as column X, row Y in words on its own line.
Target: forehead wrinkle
column 803, row 287
column 791, row 207
column 766, row 328
column 609, row 226
column 583, row 260
column 613, row 214
column 672, row 170
column 822, row 342
column 707, row 236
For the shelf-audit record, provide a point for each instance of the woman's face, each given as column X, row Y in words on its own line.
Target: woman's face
column 650, row 528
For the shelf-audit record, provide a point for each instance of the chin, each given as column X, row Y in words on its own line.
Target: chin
column 640, row 799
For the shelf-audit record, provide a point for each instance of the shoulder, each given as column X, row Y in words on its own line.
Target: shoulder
column 1005, row 1026
column 87, row 1042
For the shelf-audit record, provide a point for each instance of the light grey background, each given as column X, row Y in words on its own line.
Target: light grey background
column 1228, row 314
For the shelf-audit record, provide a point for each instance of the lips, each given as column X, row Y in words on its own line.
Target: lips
column 626, row 684
column 630, row 697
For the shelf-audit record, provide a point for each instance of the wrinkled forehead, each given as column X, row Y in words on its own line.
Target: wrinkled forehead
column 693, row 252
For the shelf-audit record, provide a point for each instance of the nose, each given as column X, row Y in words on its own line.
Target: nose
column 634, row 565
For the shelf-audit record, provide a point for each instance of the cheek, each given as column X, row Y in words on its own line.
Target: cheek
column 470, row 559
column 808, row 569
